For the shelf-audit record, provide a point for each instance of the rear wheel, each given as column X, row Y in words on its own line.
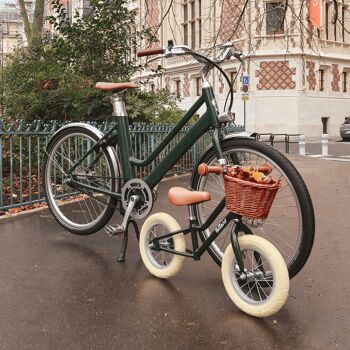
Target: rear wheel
column 79, row 211
column 290, row 225
column 161, row 263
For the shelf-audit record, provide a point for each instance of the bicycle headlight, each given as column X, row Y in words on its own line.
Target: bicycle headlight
column 226, row 117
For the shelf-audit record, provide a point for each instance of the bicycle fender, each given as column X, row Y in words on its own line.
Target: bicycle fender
column 111, row 150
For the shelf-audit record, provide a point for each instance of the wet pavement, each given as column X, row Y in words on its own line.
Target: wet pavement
column 60, row 291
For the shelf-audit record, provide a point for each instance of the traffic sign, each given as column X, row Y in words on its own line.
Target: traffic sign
column 245, row 96
column 245, row 80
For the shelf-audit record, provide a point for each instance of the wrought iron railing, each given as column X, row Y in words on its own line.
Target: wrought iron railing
column 22, row 147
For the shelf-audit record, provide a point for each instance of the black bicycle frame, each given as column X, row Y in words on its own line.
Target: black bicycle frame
column 197, row 251
column 119, row 134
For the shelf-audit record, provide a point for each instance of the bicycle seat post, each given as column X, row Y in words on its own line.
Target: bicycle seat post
column 118, row 103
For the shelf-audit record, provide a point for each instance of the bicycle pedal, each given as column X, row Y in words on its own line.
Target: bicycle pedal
column 113, row 230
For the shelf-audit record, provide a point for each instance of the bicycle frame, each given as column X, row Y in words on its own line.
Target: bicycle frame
column 194, row 228
column 119, row 134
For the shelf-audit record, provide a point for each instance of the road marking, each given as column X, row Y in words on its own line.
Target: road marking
column 317, row 155
column 338, row 159
column 334, row 158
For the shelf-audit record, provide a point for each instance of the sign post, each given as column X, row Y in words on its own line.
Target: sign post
column 245, row 95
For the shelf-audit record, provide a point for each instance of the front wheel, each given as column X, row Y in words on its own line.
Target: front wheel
column 262, row 289
column 290, row 225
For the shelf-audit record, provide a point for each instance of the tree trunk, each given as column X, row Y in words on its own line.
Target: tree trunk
column 33, row 31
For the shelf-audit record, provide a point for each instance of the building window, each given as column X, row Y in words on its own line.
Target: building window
column 345, row 76
column 192, row 24
column 327, row 20
column 275, row 13
column 185, row 24
column 344, row 21
column 321, row 80
column 198, row 86
column 233, row 78
column 177, row 88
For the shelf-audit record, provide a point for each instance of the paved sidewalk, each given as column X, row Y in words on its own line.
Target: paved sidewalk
column 60, row 291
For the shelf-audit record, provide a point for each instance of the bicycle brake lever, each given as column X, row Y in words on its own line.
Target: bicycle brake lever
column 239, row 55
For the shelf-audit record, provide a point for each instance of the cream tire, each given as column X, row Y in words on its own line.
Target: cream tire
column 279, row 292
column 176, row 262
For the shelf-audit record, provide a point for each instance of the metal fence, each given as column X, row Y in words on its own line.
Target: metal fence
column 22, row 148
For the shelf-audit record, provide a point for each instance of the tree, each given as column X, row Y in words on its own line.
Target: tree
column 55, row 79
column 100, row 45
column 33, row 31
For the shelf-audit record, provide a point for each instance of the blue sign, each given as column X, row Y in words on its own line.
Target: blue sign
column 245, row 79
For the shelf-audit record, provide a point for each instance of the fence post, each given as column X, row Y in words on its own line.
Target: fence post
column 324, row 145
column 1, row 200
column 302, row 145
column 286, row 143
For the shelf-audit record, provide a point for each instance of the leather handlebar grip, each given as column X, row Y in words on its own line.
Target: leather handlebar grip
column 205, row 169
column 150, row 52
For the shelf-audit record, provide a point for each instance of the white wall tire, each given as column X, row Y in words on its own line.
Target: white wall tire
column 278, row 273
column 165, row 268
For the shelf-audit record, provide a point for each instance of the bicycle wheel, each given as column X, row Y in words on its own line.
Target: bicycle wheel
column 290, row 225
column 82, row 211
column 263, row 289
column 160, row 263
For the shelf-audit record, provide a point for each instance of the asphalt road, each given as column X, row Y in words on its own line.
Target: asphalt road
column 60, row 291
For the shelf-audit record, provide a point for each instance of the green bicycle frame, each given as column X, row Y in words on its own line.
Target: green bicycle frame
column 208, row 121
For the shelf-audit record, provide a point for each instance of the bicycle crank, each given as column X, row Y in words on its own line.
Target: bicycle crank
column 139, row 188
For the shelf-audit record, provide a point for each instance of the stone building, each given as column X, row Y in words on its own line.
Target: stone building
column 298, row 75
column 11, row 29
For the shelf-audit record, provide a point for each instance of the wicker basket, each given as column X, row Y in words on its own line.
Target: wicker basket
column 249, row 199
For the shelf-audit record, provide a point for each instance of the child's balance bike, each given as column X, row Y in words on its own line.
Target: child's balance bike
column 253, row 271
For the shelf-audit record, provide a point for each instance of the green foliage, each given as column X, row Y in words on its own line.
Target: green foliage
column 100, row 45
column 55, row 80
column 153, row 107
column 35, row 87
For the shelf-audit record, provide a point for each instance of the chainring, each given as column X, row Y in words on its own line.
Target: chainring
column 139, row 188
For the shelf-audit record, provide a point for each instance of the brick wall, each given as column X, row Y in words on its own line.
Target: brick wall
column 152, row 16
column 275, row 75
column 186, row 86
column 311, row 77
column 230, row 12
column 336, row 78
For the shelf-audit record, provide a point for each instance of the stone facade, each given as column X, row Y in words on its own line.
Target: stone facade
column 285, row 92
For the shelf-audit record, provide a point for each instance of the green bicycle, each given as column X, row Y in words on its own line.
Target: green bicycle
column 88, row 174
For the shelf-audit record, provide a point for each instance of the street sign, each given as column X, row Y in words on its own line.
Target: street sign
column 245, row 87
column 245, row 96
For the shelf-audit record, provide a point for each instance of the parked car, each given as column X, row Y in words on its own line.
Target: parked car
column 345, row 129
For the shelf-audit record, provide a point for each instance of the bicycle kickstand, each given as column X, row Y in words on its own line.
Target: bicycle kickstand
column 121, row 257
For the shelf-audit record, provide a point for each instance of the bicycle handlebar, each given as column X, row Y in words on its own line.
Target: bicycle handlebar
column 150, row 52
column 205, row 169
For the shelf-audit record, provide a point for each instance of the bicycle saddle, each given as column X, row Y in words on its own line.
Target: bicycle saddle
column 181, row 196
column 115, row 86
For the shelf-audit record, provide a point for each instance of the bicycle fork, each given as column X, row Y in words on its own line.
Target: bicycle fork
column 235, row 245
